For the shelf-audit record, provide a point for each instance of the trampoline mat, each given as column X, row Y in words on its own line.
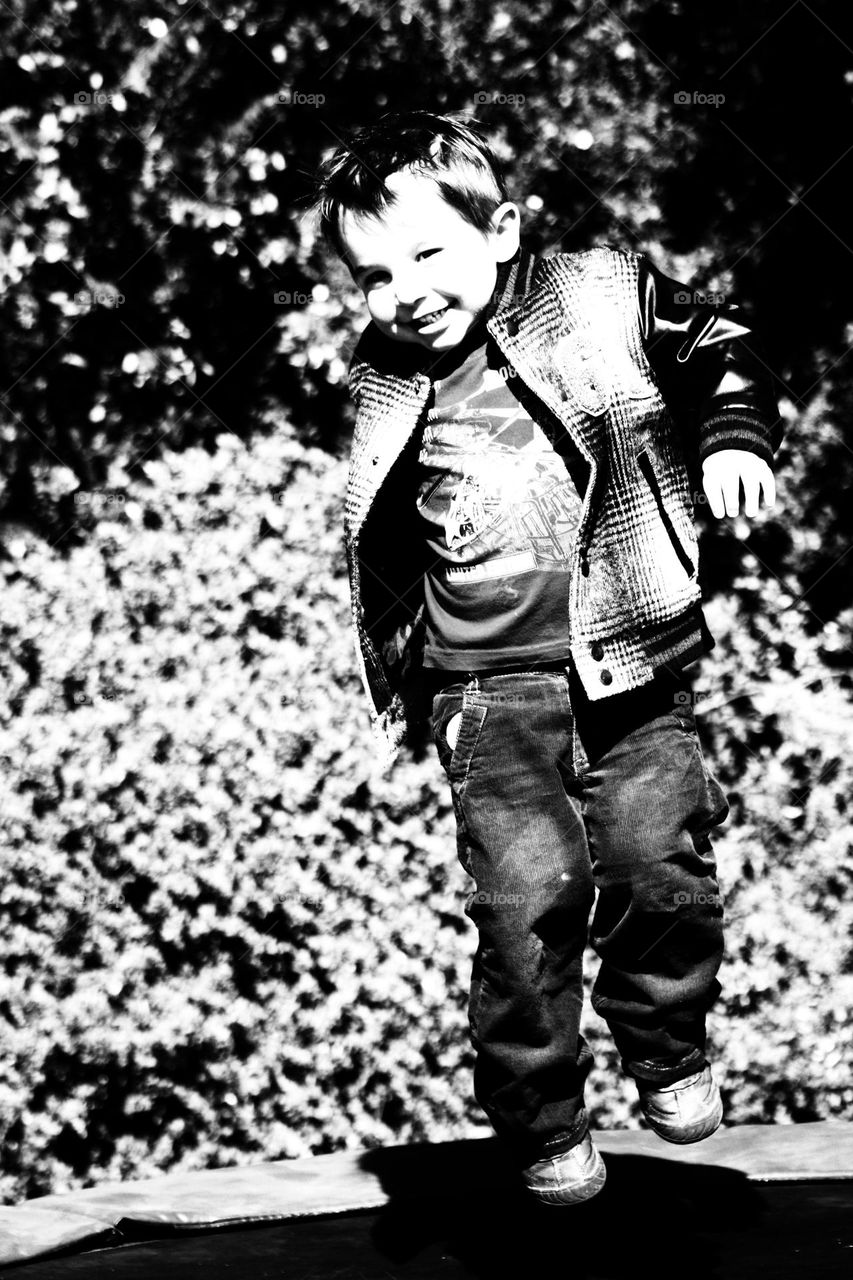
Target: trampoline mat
column 771, row 1199
column 732, row 1232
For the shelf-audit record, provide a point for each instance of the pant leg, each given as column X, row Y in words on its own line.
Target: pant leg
column 520, row 836
column 650, row 802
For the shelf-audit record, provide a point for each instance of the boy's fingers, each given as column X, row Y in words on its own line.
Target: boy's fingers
column 714, row 495
column 760, row 484
column 731, row 493
column 769, row 486
column 751, row 487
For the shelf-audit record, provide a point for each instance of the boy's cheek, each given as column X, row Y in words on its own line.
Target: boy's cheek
column 379, row 310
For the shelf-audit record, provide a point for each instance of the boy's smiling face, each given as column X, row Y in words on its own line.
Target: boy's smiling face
column 426, row 273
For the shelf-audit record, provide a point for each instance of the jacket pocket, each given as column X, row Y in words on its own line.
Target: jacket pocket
column 644, row 462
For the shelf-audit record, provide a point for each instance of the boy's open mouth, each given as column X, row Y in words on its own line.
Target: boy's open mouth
column 424, row 322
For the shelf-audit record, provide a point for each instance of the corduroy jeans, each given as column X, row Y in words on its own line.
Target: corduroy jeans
column 555, row 797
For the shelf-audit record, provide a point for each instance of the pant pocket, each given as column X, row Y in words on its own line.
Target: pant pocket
column 457, row 723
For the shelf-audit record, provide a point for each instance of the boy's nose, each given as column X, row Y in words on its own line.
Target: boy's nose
column 408, row 290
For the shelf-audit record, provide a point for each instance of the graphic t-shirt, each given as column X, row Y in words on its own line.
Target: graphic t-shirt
column 500, row 511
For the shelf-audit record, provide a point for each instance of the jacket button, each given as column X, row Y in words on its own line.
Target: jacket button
column 606, row 677
column 597, row 650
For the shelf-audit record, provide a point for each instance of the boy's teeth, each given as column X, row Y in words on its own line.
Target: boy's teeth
column 433, row 315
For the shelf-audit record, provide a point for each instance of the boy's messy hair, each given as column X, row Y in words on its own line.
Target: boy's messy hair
column 451, row 151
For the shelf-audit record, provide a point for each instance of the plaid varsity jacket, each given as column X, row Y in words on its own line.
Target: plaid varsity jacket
column 648, row 380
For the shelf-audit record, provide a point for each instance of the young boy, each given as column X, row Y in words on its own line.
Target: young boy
column 523, row 566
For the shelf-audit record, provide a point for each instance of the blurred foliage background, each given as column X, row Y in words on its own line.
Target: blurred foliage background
column 226, row 937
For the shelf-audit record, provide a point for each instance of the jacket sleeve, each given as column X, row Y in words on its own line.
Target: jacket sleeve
column 709, row 366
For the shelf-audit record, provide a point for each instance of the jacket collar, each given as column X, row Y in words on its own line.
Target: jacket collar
column 513, row 281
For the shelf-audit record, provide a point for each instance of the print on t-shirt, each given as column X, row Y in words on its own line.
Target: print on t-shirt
column 501, row 514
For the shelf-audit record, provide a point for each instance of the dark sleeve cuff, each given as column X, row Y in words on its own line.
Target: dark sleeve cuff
column 738, row 429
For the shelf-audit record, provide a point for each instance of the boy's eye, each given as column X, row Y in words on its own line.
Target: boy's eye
column 373, row 279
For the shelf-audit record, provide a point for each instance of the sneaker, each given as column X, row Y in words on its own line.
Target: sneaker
column 569, row 1178
column 687, row 1111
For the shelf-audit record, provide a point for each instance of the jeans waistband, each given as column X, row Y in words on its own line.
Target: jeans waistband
column 439, row 676
column 664, row 681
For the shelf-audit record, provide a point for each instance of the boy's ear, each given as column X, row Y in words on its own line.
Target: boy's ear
column 506, row 231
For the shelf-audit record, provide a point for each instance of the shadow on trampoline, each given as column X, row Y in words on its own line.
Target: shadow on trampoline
column 468, row 1205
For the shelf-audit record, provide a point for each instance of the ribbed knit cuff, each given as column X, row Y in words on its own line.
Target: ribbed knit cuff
column 736, row 429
